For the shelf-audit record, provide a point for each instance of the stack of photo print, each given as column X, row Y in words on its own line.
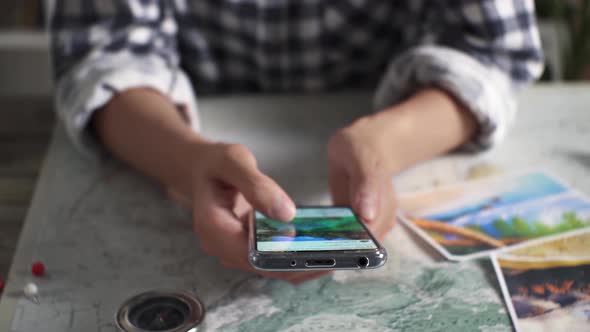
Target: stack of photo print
column 536, row 230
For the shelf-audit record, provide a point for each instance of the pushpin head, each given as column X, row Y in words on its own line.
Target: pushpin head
column 1, row 285
column 31, row 289
column 38, row 269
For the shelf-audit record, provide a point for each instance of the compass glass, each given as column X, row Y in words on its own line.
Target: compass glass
column 159, row 314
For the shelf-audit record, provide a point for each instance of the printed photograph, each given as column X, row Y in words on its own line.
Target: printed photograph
column 471, row 219
column 547, row 286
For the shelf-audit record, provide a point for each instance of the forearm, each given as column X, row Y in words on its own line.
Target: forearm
column 144, row 129
column 424, row 126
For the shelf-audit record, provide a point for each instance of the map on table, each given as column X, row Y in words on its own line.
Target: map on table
column 106, row 234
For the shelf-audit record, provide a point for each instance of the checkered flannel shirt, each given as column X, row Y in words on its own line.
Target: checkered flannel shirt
column 481, row 51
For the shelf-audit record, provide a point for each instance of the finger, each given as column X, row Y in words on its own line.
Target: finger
column 224, row 236
column 265, row 195
column 221, row 233
column 242, row 209
column 366, row 195
column 387, row 216
column 339, row 185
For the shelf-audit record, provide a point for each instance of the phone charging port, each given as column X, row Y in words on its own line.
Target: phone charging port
column 320, row 262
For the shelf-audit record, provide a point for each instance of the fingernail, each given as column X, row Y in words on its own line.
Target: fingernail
column 367, row 208
column 283, row 209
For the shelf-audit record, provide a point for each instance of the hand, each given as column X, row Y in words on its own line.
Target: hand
column 364, row 156
column 359, row 176
column 226, row 186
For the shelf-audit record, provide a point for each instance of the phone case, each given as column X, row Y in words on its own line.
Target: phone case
column 315, row 260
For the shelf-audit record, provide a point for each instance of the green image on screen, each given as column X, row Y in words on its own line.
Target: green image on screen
column 313, row 229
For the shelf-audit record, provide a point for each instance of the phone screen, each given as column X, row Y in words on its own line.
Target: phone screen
column 313, row 229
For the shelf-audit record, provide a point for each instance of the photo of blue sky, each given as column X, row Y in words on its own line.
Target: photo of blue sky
column 524, row 188
column 544, row 214
column 468, row 219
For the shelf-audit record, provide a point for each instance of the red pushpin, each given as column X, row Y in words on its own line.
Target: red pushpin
column 1, row 285
column 38, row 269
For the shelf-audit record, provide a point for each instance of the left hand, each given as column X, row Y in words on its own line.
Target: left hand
column 359, row 175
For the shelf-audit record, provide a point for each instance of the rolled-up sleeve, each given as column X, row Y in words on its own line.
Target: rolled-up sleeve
column 102, row 47
column 480, row 51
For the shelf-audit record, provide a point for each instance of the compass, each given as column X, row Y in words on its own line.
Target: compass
column 165, row 311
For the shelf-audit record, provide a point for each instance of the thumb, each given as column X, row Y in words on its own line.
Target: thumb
column 365, row 192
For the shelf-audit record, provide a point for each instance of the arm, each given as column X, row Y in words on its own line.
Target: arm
column 428, row 124
column 364, row 156
column 143, row 128
column 457, row 92
column 220, row 181
column 103, row 47
column 482, row 53
column 117, row 72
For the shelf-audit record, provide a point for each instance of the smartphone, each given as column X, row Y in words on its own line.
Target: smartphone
column 318, row 238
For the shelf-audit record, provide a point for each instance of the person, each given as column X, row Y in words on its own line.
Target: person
column 445, row 74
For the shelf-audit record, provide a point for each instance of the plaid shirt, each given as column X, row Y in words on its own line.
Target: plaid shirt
column 480, row 51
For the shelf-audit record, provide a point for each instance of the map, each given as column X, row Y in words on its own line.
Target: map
column 110, row 234
column 413, row 298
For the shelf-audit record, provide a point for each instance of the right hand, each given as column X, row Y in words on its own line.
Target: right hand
column 226, row 185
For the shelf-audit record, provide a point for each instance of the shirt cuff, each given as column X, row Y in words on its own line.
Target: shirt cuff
column 91, row 85
column 485, row 91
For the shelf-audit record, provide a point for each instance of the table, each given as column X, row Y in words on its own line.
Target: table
column 106, row 233
column 26, row 125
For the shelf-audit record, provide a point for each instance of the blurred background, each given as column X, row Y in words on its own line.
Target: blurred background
column 565, row 31
column 26, row 118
